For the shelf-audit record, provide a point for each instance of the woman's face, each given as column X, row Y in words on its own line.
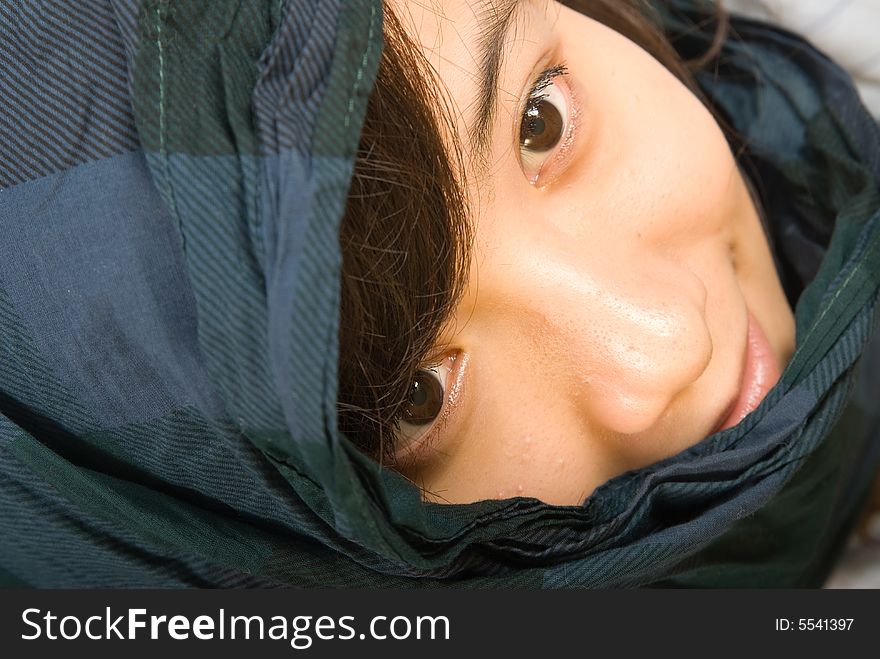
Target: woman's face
column 622, row 302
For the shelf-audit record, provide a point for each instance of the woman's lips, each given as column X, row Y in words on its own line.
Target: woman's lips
column 760, row 373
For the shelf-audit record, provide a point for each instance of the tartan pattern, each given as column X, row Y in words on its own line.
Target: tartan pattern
column 173, row 174
column 62, row 86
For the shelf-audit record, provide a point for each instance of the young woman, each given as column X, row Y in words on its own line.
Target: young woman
column 484, row 292
column 588, row 282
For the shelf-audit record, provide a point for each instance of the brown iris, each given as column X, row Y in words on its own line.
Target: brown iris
column 425, row 399
column 542, row 126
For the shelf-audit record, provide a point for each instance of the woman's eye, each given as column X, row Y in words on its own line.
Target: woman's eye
column 424, row 405
column 543, row 124
column 425, row 399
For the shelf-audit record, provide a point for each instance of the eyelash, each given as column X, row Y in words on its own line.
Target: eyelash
column 418, row 447
column 542, row 82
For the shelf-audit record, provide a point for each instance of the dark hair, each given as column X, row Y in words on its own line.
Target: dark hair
column 405, row 235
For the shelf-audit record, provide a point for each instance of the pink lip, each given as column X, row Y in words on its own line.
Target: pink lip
column 760, row 373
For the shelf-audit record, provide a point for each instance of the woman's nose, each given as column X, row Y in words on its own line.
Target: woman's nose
column 653, row 343
column 631, row 338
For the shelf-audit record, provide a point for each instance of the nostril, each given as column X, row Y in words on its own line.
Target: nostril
column 631, row 415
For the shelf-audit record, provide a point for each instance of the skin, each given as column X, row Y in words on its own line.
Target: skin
column 606, row 313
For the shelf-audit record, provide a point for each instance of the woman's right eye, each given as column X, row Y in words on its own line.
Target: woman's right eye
column 427, row 397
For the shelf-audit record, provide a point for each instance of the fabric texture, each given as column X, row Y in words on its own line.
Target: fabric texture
column 845, row 29
column 172, row 177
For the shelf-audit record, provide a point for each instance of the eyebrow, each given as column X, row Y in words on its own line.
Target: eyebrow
column 495, row 20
